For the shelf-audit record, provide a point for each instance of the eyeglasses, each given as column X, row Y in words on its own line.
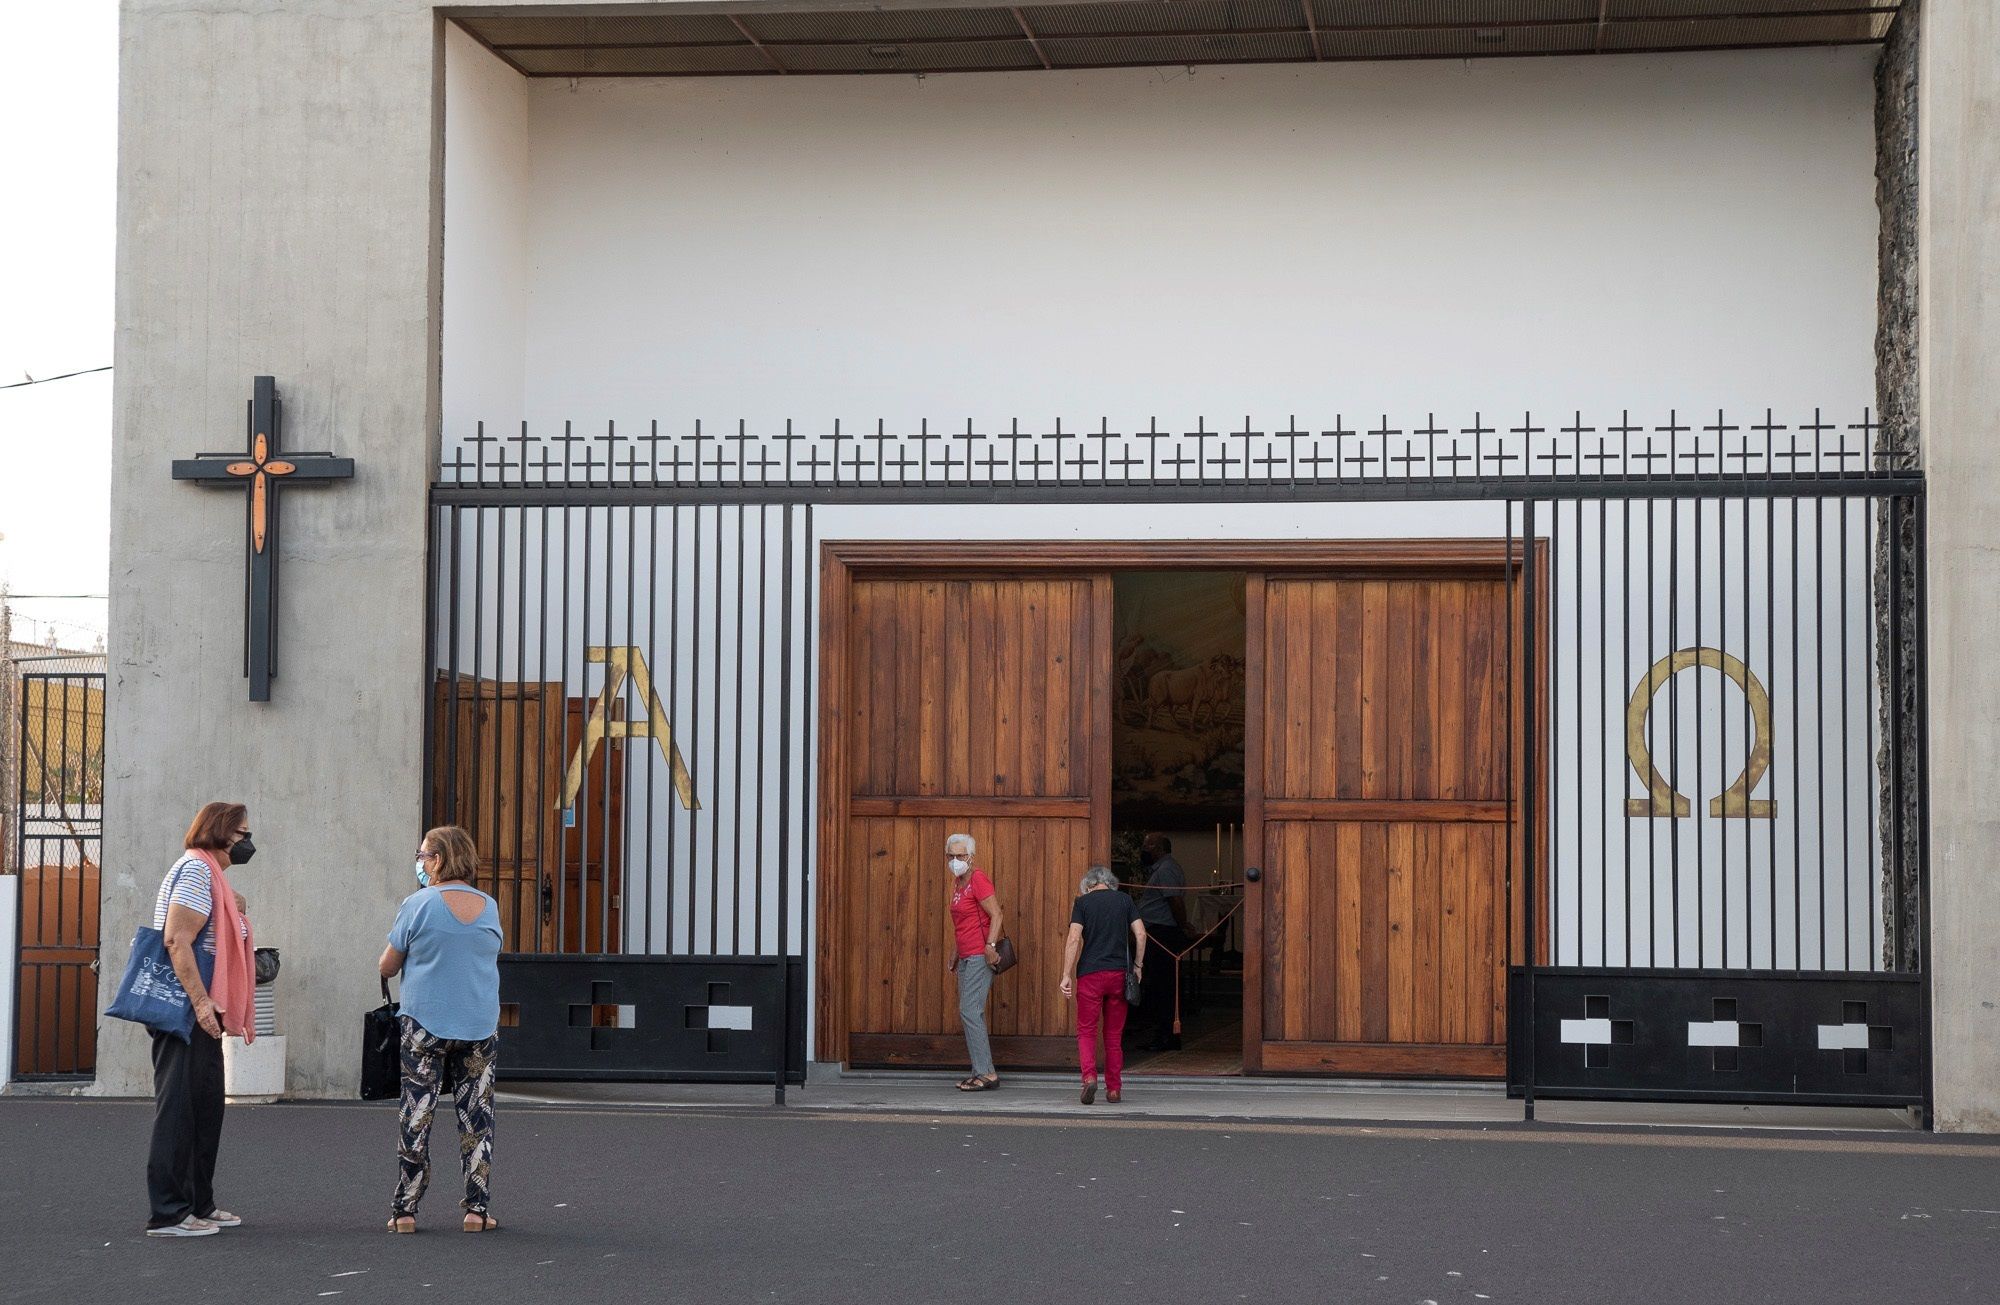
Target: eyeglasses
column 426, row 856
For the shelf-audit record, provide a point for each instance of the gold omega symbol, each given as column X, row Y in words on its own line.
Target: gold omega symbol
column 1661, row 799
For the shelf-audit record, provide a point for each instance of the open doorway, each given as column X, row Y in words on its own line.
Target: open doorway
column 1177, row 801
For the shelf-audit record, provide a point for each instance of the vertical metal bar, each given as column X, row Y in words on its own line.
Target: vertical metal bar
column 10, row 1051
column 1674, row 713
column 1721, row 703
column 1576, row 673
column 1898, row 926
column 1771, row 651
column 1920, row 546
column 1749, row 744
column 763, row 624
column 612, row 852
column 1799, row 855
column 674, row 714
column 715, row 776
column 694, row 719
column 1529, row 733
column 1700, row 725
column 591, row 756
column 1846, row 792
column 538, row 911
column 450, row 816
column 499, row 685
column 1604, row 788
column 808, row 774
column 1877, row 899
column 1652, row 816
column 1554, row 762
column 571, row 801
column 661, row 747
column 1819, row 711
column 474, row 786
column 633, row 870
column 784, row 950
column 1625, row 604
column 736, row 802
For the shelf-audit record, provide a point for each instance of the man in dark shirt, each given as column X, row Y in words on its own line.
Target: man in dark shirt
column 1165, row 915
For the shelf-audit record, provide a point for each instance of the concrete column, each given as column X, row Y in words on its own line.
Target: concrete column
column 1959, row 363
column 277, row 213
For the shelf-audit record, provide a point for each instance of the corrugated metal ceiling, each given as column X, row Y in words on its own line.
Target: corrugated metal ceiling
column 679, row 43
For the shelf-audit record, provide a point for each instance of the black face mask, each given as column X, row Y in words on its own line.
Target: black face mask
column 241, row 851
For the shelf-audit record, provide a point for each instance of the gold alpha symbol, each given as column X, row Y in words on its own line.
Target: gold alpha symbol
column 621, row 664
column 1661, row 799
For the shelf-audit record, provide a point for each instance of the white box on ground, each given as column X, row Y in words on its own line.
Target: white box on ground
column 253, row 1072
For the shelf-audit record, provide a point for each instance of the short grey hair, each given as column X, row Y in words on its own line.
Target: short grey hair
column 1098, row 876
column 960, row 843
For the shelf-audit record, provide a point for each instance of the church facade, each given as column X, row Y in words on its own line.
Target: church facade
column 1475, row 505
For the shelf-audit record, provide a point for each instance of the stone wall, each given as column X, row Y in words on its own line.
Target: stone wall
column 1896, row 79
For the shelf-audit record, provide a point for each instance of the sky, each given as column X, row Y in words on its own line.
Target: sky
column 58, row 127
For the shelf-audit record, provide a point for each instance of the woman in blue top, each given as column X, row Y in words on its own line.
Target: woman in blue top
column 446, row 945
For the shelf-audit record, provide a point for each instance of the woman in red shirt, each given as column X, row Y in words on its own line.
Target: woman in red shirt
column 975, row 926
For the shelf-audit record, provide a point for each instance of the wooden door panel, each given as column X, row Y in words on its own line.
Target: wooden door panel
column 976, row 705
column 1379, row 781
column 502, row 752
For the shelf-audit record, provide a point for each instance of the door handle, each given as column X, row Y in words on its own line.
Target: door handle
column 1251, row 874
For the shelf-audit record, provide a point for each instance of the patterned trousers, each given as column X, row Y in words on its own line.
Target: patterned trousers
column 429, row 1063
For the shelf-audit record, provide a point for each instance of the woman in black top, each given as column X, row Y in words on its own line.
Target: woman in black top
column 1105, row 932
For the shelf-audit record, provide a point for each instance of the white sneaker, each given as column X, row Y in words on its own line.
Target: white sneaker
column 188, row 1227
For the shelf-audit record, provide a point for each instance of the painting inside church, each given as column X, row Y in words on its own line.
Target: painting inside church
column 1178, row 717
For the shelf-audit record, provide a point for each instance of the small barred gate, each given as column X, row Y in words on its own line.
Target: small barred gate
column 58, row 827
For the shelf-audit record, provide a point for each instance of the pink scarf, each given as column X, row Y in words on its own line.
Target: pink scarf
column 233, row 987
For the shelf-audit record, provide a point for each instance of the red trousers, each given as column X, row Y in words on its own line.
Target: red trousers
column 1100, row 999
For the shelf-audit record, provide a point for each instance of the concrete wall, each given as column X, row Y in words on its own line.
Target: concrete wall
column 1959, row 332
column 275, row 214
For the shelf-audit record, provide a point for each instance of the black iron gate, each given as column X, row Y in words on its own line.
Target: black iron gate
column 59, row 751
column 1719, row 882
column 1734, row 904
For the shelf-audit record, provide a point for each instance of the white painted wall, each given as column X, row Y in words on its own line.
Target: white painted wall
column 1693, row 230
column 486, row 200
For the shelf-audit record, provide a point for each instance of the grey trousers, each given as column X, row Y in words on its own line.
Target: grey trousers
column 975, row 981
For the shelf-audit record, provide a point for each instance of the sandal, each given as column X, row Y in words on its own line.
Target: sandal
column 396, row 1223
column 475, row 1223
column 978, row 1084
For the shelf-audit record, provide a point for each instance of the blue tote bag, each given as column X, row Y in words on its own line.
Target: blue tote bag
column 151, row 993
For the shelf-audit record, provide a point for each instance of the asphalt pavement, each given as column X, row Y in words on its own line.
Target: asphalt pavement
column 608, row 1204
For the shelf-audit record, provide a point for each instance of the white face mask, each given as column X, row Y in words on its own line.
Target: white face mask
column 959, row 865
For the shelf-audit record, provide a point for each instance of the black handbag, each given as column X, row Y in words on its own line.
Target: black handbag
column 1134, row 989
column 381, row 1051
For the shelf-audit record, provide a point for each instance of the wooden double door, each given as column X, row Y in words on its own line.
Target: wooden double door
column 969, row 688
column 1378, row 768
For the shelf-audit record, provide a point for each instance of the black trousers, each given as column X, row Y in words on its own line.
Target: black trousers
column 1156, row 1001
column 187, row 1127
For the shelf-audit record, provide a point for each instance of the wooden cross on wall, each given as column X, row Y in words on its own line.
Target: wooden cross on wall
column 260, row 472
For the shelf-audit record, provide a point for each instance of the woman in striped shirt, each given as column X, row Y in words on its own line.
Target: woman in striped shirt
column 187, row 1076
